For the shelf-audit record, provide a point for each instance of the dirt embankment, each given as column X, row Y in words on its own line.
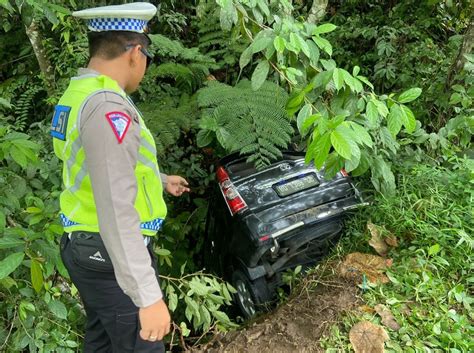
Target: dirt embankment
column 295, row 326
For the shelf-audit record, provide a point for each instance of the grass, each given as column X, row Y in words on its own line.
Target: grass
column 431, row 280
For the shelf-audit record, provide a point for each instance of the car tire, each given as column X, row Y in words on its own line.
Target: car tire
column 251, row 295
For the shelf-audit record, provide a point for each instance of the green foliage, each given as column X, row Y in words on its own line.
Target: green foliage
column 346, row 124
column 217, row 44
column 331, row 75
column 33, row 9
column 40, row 309
column 428, row 293
column 168, row 118
column 254, row 123
column 39, row 306
column 454, row 138
column 34, row 295
column 401, row 43
column 203, row 295
column 24, row 106
column 181, row 69
column 169, row 48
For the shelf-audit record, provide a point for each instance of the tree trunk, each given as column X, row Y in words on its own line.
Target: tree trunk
column 317, row 11
column 456, row 67
column 466, row 48
column 33, row 33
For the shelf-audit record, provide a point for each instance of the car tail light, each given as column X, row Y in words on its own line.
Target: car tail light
column 234, row 201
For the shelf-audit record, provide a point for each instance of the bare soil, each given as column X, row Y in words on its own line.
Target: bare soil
column 298, row 324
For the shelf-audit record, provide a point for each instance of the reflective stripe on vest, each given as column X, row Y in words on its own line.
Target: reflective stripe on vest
column 78, row 210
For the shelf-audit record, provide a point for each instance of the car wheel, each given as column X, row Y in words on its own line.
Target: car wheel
column 251, row 295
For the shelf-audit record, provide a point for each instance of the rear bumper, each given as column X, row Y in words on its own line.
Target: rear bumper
column 286, row 226
column 303, row 247
column 305, row 231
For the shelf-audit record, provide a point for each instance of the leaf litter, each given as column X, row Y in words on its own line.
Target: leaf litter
column 297, row 325
column 367, row 337
column 300, row 323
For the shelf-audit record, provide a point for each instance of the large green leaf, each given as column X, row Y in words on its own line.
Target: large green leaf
column 365, row 80
column 409, row 95
column 26, row 144
column 362, row 133
column 262, row 4
column 381, row 107
column 395, row 119
column 36, row 275
column 308, row 123
column 50, row 15
column 351, row 81
column 172, row 301
column 303, row 114
column 338, row 78
column 334, row 163
column 163, row 252
column 3, row 222
column 353, row 163
column 279, row 44
column 303, row 45
column 322, row 79
column 204, row 138
column 60, row 9
column 3, row 102
column 314, row 52
column 410, row 124
column 363, row 166
column 18, row 156
column 10, row 263
column 320, row 150
column 245, row 57
column 324, row 28
column 7, row 242
column 228, row 14
column 323, row 44
column 341, row 144
column 295, row 100
column 208, row 122
column 262, row 41
column 58, row 309
column 295, row 45
column 372, row 113
column 260, row 74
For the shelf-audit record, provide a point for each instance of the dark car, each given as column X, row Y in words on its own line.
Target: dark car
column 264, row 222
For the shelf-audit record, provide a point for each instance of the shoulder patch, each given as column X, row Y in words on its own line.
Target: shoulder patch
column 119, row 122
column 59, row 122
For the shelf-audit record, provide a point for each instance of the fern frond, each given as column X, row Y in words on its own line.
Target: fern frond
column 252, row 122
column 167, row 118
column 24, row 106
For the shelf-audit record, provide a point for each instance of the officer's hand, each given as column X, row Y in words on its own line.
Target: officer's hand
column 176, row 185
column 155, row 321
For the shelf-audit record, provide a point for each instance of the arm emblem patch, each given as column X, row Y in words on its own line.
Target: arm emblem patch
column 59, row 122
column 119, row 122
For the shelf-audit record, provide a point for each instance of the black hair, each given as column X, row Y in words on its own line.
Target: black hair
column 111, row 44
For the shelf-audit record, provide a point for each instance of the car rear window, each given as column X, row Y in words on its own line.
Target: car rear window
column 240, row 168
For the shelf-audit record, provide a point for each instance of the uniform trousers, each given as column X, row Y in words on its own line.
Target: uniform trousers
column 112, row 319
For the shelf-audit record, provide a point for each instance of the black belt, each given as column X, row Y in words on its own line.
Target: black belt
column 84, row 235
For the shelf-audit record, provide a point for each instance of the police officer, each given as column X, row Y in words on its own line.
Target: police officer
column 112, row 203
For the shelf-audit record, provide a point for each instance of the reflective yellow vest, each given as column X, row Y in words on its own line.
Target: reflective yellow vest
column 78, row 209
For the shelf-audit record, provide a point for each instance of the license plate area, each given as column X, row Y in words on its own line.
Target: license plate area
column 296, row 184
